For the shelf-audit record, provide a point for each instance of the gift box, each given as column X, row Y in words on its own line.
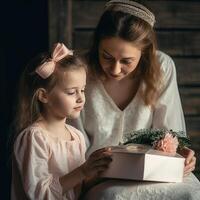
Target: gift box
column 141, row 162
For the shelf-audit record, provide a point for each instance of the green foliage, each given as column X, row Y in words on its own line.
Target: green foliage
column 149, row 136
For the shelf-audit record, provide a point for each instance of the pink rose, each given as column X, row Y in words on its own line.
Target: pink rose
column 168, row 144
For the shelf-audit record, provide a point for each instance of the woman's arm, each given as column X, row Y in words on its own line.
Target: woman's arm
column 168, row 111
column 190, row 161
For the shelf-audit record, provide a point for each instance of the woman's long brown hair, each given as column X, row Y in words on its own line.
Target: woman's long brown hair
column 140, row 34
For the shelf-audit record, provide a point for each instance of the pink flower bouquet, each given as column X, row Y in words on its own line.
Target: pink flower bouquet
column 162, row 140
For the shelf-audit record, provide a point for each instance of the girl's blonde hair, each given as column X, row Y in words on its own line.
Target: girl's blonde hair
column 29, row 107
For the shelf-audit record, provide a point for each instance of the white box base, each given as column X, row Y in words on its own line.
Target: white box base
column 141, row 162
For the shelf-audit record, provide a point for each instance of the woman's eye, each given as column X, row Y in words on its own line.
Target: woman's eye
column 126, row 62
column 83, row 91
column 107, row 57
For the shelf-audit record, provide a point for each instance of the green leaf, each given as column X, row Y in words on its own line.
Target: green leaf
column 149, row 136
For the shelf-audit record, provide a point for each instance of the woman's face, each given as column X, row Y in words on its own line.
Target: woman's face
column 118, row 58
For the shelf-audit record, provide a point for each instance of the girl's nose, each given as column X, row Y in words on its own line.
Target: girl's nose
column 80, row 97
column 116, row 68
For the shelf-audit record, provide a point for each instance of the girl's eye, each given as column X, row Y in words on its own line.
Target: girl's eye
column 74, row 92
column 70, row 92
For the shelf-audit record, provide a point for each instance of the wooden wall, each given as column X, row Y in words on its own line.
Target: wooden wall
column 178, row 31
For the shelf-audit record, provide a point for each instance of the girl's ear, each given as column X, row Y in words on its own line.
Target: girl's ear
column 42, row 95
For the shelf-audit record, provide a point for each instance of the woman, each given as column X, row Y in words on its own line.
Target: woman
column 132, row 86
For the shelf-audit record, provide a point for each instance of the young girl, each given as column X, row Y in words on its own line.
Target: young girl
column 49, row 155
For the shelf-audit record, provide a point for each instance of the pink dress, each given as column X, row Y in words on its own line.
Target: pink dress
column 40, row 159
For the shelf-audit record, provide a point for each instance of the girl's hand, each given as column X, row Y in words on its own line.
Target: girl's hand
column 97, row 162
column 190, row 160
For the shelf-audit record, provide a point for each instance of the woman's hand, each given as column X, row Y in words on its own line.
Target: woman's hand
column 190, row 160
column 97, row 162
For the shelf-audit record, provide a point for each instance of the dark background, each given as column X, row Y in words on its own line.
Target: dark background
column 24, row 33
column 30, row 26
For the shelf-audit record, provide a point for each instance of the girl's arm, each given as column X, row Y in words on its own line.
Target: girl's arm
column 96, row 163
column 31, row 156
column 72, row 179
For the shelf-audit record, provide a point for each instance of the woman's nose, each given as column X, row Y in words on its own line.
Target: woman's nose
column 116, row 68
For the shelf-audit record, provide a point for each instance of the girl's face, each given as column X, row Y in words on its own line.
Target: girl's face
column 67, row 98
column 118, row 58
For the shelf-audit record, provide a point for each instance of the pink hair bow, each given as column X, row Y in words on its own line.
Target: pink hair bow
column 47, row 68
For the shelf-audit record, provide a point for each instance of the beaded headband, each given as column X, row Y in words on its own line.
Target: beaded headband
column 132, row 8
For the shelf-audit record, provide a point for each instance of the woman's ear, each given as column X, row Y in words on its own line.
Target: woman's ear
column 42, row 95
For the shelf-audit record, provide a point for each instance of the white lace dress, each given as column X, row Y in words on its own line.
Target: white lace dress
column 134, row 190
column 104, row 124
